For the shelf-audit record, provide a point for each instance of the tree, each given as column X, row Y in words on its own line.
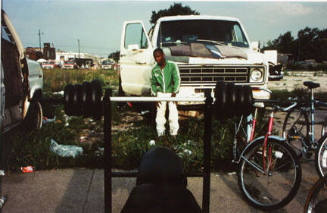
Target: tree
column 307, row 43
column 175, row 9
column 115, row 55
column 284, row 43
column 310, row 44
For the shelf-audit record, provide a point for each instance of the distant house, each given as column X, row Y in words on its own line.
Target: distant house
column 33, row 53
column 49, row 52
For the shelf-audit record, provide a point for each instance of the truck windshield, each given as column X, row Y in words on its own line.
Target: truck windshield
column 217, row 32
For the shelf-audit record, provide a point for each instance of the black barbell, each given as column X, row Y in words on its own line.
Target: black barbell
column 86, row 100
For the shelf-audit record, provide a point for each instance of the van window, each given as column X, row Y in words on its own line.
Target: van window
column 135, row 35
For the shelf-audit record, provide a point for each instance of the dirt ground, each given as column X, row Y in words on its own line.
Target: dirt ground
column 294, row 80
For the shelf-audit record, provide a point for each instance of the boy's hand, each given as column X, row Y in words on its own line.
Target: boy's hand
column 173, row 94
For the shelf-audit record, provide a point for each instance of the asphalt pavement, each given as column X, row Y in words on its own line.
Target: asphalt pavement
column 82, row 190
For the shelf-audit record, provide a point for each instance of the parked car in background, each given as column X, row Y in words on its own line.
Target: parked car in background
column 69, row 65
column 48, row 65
column 106, row 65
column 21, row 83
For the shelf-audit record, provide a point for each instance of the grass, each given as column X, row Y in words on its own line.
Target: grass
column 129, row 144
column 56, row 79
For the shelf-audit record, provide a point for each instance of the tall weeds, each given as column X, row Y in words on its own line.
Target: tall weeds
column 56, row 79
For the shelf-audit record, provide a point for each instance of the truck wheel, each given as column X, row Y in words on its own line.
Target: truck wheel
column 33, row 119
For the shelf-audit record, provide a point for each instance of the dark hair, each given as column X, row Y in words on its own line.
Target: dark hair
column 158, row 49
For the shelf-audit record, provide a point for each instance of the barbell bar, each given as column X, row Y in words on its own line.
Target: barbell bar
column 86, row 99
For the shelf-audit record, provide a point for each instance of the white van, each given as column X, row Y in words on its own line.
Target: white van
column 21, row 82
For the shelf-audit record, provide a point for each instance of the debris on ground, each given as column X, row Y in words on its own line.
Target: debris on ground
column 99, row 152
column 83, row 139
column 27, row 169
column 152, row 142
column 65, row 150
column 59, row 93
column 144, row 112
column 46, row 120
column 187, row 151
column 67, row 119
column 3, row 200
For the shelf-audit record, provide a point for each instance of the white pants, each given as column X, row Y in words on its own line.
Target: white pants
column 173, row 115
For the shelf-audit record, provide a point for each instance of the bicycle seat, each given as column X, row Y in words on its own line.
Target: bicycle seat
column 311, row 85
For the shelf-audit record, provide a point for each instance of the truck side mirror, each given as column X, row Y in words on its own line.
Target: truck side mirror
column 254, row 45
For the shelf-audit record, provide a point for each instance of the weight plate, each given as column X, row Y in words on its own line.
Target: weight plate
column 239, row 100
column 248, row 105
column 86, row 99
column 96, row 97
column 68, row 99
column 77, row 100
column 221, row 99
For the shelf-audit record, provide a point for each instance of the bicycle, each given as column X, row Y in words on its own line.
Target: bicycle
column 299, row 125
column 316, row 201
column 269, row 172
column 321, row 156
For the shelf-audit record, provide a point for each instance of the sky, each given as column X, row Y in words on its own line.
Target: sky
column 97, row 24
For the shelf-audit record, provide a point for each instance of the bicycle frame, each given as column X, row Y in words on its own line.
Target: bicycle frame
column 313, row 104
column 309, row 107
column 250, row 131
column 264, row 145
column 312, row 113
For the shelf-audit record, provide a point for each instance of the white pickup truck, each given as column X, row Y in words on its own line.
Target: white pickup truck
column 21, row 82
column 206, row 49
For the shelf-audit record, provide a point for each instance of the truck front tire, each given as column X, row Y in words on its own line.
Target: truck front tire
column 33, row 119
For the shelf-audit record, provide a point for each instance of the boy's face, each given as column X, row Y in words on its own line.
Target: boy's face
column 159, row 57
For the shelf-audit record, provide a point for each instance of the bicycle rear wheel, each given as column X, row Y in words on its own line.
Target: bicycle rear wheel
column 321, row 156
column 296, row 129
column 275, row 186
column 316, row 201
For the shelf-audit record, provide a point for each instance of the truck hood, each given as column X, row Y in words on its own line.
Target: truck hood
column 209, row 55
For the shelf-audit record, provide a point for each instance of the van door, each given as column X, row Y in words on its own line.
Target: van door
column 2, row 97
column 136, row 60
column 15, row 97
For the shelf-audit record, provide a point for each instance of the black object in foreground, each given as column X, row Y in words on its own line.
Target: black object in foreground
column 161, row 186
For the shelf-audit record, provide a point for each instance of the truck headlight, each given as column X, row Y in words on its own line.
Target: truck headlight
column 256, row 75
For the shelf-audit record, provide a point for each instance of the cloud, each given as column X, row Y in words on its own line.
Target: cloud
column 292, row 9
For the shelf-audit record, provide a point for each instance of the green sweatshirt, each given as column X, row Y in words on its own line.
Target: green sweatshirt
column 166, row 80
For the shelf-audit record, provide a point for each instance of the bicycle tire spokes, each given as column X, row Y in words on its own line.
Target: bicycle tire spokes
column 269, row 177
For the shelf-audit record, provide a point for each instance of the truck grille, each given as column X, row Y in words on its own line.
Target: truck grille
column 211, row 74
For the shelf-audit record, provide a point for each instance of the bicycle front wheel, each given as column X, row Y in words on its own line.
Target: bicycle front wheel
column 321, row 156
column 317, row 197
column 269, row 179
column 296, row 128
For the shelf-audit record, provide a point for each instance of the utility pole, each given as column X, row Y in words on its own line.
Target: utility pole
column 79, row 50
column 40, row 38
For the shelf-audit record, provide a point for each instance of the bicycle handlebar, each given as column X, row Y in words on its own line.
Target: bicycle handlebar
column 276, row 104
